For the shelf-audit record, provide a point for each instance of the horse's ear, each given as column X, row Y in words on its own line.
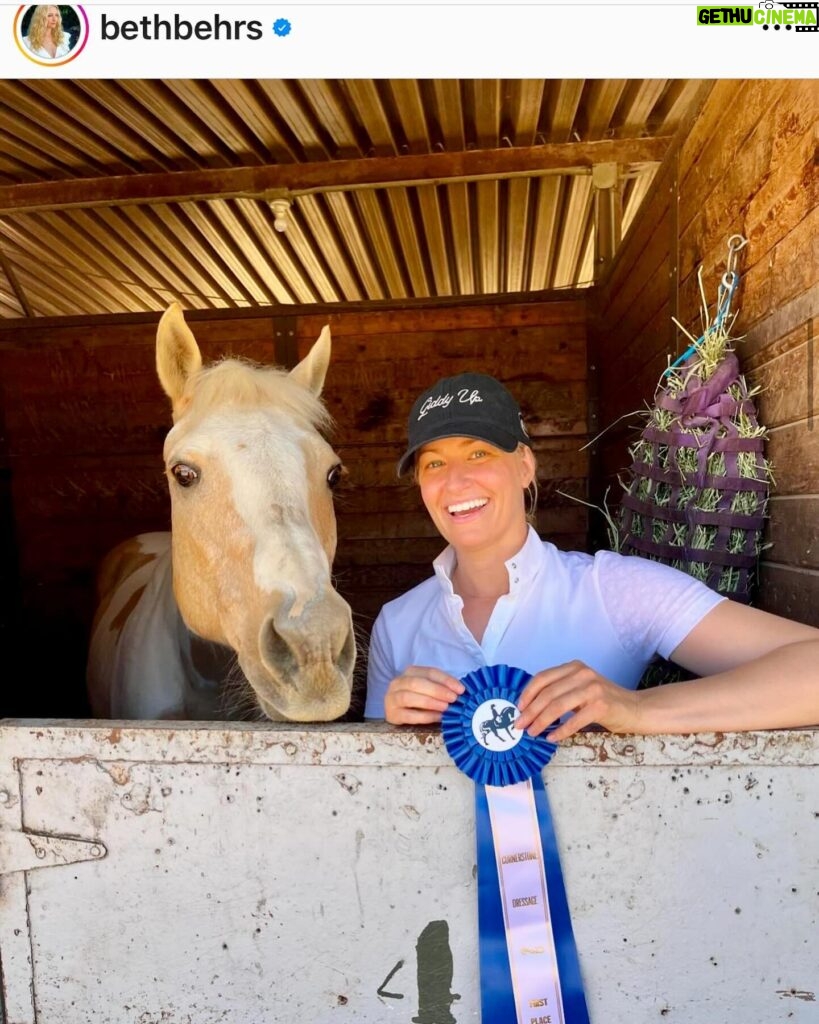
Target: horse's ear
column 177, row 354
column 312, row 370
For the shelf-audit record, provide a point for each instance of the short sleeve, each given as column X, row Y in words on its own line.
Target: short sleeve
column 651, row 606
column 380, row 670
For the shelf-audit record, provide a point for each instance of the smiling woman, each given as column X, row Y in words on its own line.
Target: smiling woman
column 46, row 36
column 584, row 627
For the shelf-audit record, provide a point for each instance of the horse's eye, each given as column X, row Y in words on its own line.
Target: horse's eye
column 185, row 475
column 335, row 475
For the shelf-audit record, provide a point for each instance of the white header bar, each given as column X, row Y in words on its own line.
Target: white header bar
column 389, row 40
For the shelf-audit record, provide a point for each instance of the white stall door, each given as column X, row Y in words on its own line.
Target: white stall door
column 181, row 874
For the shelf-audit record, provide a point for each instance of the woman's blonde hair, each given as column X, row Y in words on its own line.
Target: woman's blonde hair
column 530, row 495
column 38, row 26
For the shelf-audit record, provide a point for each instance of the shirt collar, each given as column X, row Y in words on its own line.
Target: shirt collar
column 522, row 566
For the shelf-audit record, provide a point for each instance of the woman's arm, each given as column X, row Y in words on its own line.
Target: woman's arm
column 759, row 671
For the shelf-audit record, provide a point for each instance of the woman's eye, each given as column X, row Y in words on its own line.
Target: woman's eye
column 335, row 475
column 479, row 453
column 184, row 474
column 432, row 464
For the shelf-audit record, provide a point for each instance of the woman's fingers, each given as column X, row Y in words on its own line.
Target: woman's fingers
column 574, row 687
column 420, row 695
column 551, row 692
column 435, row 675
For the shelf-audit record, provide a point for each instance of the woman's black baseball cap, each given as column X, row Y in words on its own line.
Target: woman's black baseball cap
column 467, row 405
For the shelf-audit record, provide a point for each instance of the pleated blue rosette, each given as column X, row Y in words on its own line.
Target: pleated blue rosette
column 505, row 756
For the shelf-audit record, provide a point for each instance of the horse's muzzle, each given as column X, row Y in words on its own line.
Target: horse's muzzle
column 309, row 660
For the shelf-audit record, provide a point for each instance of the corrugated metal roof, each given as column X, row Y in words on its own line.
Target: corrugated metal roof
column 86, row 226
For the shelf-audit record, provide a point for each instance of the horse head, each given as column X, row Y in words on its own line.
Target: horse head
column 253, row 530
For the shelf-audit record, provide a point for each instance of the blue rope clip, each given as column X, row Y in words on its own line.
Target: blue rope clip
column 725, row 294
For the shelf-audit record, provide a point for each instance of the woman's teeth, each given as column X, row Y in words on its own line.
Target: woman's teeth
column 466, row 506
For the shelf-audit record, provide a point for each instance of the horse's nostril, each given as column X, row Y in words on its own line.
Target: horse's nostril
column 278, row 652
column 346, row 656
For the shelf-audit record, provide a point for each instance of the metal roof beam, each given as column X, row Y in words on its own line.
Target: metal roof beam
column 327, row 176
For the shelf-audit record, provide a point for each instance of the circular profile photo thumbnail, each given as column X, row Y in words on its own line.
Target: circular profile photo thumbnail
column 51, row 34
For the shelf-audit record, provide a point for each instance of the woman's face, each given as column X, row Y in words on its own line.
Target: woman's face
column 53, row 17
column 474, row 492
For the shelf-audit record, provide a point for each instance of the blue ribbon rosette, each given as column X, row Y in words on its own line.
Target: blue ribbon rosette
column 529, row 968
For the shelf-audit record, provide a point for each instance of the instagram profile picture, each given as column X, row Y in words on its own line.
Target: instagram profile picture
column 51, row 34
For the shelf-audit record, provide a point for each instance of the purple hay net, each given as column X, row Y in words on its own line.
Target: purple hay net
column 687, row 502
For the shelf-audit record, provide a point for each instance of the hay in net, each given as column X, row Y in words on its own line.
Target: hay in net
column 697, row 491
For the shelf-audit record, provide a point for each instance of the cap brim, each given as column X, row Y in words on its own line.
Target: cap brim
column 478, row 432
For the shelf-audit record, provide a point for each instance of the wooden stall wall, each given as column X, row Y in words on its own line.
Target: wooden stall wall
column 746, row 163
column 85, row 419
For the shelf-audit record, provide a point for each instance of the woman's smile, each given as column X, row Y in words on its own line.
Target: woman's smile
column 462, row 508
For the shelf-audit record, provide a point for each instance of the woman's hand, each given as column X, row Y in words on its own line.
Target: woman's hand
column 577, row 688
column 419, row 696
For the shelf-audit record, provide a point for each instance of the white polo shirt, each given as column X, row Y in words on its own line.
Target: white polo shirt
column 613, row 612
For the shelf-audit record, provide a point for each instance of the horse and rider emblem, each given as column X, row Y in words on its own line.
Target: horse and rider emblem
column 493, row 724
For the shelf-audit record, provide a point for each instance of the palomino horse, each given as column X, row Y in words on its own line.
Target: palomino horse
column 244, row 576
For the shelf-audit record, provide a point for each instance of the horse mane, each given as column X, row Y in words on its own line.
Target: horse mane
column 244, row 384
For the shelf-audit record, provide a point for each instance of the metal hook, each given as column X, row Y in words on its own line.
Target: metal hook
column 735, row 244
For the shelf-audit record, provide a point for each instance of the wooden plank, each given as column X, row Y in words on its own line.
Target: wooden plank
column 630, row 380
column 9, row 328
column 774, row 167
column 410, row 320
column 548, row 409
column 394, row 551
column 789, row 394
column 728, row 118
column 557, row 350
column 791, row 269
column 644, row 277
column 793, row 531
column 80, row 490
column 793, row 593
column 568, row 519
column 783, row 321
column 324, row 175
column 794, row 454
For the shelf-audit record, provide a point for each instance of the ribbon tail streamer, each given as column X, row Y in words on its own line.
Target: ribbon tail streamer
column 528, row 974
column 571, row 981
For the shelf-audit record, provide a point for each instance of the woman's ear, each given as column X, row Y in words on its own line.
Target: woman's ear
column 528, row 465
